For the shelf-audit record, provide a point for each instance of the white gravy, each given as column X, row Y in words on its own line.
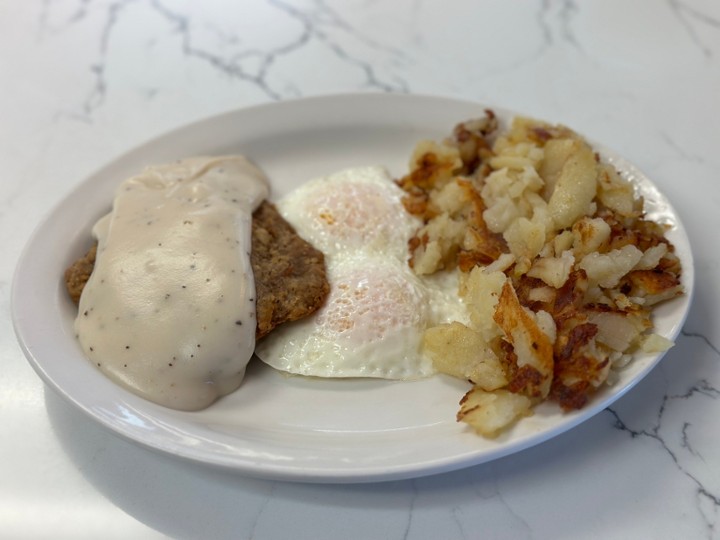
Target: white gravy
column 169, row 310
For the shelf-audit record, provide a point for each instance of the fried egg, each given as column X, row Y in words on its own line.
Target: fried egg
column 373, row 320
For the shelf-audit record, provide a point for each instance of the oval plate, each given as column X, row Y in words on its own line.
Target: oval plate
column 276, row 426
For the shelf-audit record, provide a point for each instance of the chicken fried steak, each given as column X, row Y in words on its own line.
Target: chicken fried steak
column 290, row 279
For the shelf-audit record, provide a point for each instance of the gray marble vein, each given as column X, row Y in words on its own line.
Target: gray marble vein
column 567, row 14
column 693, row 20
column 707, row 496
column 411, row 507
column 247, row 62
column 705, row 339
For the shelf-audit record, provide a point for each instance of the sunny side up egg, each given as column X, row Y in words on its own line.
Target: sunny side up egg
column 373, row 320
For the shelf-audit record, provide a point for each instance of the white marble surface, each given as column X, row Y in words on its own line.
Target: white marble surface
column 83, row 81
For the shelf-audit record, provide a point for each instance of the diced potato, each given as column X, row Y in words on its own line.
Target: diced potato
column 563, row 241
column 451, row 199
column 511, row 162
column 531, row 345
column 541, row 294
column 497, row 186
column 501, row 214
column 608, row 269
column 461, row 352
column 619, row 330
column 444, row 236
column 655, row 343
column 510, row 195
column 427, row 259
column 525, row 180
column 654, row 287
column 433, row 164
column 516, row 153
column 502, row 263
column 525, row 238
column 547, row 324
column 522, row 265
column 557, row 152
column 589, row 234
column 480, row 291
column 619, row 360
column 539, row 208
column 575, row 188
column 615, row 192
column 651, row 257
column 553, row 270
column 622, row 301
column 488, row 413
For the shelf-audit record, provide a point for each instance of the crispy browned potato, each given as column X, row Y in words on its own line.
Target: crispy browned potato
column 561, row 267
column 461, row 352
column 489, row 413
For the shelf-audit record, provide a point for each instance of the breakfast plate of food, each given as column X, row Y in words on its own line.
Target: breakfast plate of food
column 354, row 288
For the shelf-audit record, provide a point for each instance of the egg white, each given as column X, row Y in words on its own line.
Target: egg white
column 373, row 320
column 354, row 210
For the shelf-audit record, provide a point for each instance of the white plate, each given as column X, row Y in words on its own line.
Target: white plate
column 276, row 426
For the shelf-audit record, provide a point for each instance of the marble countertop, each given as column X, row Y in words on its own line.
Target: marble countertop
column 84, row 81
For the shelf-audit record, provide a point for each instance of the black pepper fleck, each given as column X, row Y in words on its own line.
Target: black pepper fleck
column 239, row 323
